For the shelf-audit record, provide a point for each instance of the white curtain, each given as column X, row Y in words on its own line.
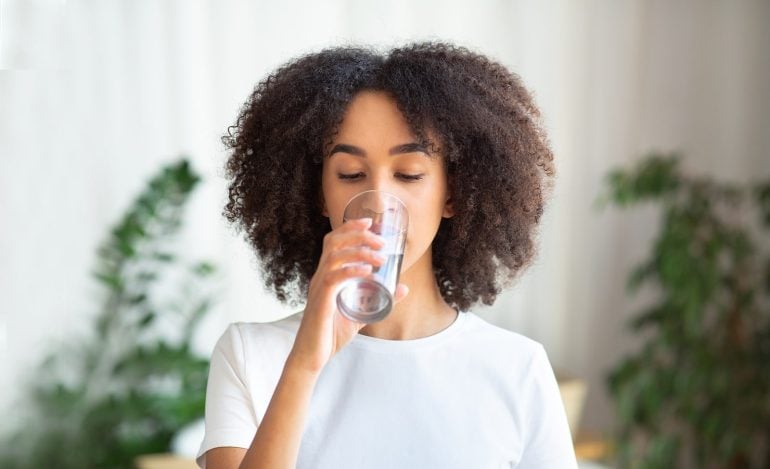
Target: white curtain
column 96, row 95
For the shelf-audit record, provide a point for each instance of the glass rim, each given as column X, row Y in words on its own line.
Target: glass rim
column 389, row 194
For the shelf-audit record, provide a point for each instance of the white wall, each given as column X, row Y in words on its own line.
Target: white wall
column 96, row 95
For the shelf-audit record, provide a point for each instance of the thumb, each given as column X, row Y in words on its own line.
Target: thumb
column 401, row 291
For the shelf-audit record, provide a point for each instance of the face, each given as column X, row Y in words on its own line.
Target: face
column 375, row 149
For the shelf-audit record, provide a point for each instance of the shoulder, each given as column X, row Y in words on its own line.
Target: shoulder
column 501, row 352
column 275, row 330
column 487, row 336
column 244, row 340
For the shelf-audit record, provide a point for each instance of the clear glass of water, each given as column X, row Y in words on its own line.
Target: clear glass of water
column 369, row 299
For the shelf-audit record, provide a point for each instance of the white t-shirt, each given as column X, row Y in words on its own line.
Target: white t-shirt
column 473, row 395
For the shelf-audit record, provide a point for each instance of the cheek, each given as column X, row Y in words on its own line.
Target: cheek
column 335, row 199
column 423, row 225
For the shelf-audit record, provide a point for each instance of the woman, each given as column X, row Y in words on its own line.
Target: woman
column 456, row 137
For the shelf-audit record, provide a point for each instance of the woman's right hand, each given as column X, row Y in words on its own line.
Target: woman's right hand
column 323, row 330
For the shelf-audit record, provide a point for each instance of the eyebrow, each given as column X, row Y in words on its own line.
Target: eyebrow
column 397, row 150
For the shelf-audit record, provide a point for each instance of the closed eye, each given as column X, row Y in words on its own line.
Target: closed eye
column 410, row 177
column 407, row 177
column 349, row 176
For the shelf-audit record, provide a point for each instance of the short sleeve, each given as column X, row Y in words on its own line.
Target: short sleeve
column 229, row 417
column 548, row 442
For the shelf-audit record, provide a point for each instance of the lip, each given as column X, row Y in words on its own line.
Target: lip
column 378, row 227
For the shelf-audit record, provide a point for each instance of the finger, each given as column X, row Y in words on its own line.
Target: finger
column 345, row 256
column 362, row 237
column 337, row 276
column 333, row 238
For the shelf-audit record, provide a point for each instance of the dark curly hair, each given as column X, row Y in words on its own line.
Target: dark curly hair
column 499, row 164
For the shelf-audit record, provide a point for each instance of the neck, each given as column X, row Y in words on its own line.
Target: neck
column 422, row 313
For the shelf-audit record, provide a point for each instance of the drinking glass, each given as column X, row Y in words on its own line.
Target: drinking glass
column 370, row 298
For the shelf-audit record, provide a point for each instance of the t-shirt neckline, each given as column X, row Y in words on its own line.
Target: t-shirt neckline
column 387, row 345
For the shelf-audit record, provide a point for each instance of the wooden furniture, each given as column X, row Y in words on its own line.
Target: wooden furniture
column 164, row 461
column 592, row 446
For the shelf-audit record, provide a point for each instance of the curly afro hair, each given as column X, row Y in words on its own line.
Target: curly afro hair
column 498, row 160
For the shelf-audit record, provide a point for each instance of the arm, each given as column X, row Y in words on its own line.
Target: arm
column 321, row 334
column 276, row 443
column 548, row 439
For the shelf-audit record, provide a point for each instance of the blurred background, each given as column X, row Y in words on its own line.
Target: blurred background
column 97, row 96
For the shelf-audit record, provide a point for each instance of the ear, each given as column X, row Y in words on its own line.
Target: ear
column 449, row 210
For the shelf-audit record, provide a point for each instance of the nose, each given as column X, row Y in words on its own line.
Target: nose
column 382, row 181
column 376, row 205
column 385, row 210
column 385, row 207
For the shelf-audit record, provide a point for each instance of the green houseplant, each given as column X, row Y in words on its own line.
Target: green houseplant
column 698, row 391
column 129, row 387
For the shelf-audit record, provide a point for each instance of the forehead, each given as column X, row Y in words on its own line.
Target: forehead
column 372, row 121
column 374, row 114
